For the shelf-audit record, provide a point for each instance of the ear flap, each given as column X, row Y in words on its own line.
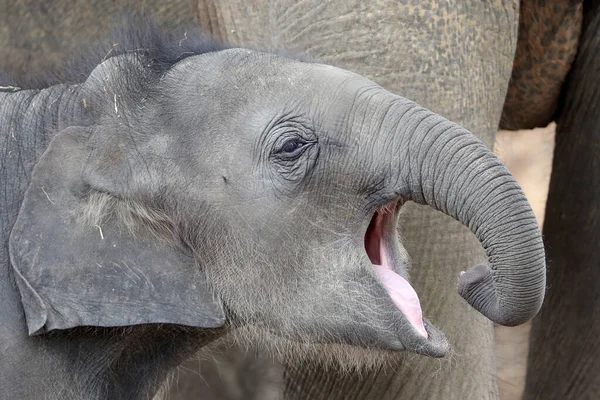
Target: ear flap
column 73, row 275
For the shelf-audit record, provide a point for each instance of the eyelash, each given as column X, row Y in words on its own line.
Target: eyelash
column 298, row 142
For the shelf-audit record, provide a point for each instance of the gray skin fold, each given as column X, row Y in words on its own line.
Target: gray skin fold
column 448, row 168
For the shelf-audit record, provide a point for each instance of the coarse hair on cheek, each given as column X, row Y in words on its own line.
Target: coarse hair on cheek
column 139, row 218
column 273, row 304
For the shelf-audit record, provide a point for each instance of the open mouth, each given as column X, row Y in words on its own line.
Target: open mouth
column 379, row 245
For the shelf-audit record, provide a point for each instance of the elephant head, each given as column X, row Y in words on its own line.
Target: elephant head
column 249, row 189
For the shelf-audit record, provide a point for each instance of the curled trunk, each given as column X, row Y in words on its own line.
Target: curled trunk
column 450, row 169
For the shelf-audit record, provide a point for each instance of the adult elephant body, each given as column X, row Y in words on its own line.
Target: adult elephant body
column 455, row 60
column 572, row 233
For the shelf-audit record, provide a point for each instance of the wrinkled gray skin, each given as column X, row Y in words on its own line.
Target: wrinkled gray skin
column 272, row 170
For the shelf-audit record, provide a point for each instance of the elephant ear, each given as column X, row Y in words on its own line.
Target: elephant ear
column 70, row 274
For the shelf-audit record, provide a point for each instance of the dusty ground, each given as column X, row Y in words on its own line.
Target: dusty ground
column 528, row 155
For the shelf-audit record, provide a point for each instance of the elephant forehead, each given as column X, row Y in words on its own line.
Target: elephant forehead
column 243, row 69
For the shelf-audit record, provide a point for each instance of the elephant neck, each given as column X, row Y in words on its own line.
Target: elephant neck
column 30, row 118
column 132, row 362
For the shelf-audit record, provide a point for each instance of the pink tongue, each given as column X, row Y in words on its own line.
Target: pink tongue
column 403, row 296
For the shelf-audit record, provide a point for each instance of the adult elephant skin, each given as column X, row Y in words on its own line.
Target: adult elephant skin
column 572, row 234
column 555, row 78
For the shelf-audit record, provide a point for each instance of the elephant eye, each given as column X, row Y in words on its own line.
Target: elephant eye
column 294, row 153
column 291, row 147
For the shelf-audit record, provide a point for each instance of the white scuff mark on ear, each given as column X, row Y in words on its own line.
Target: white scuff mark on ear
column 84, row 102
column 140, row 274
column 116, row 106
column 100, row 230
column 124, row 271
column 139, row 280
column 47, row 195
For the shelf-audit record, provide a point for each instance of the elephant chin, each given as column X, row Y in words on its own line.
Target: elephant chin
column 379, row 239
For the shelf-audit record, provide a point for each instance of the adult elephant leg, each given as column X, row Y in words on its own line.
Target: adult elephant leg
column 564, row 354
column 548, row 36
column 454, row 59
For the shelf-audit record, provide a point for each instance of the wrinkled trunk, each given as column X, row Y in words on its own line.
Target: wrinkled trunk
column 447, row 167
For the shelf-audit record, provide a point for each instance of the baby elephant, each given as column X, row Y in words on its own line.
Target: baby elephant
column 176, row 189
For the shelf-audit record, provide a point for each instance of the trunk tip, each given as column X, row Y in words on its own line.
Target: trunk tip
column 478, row 288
